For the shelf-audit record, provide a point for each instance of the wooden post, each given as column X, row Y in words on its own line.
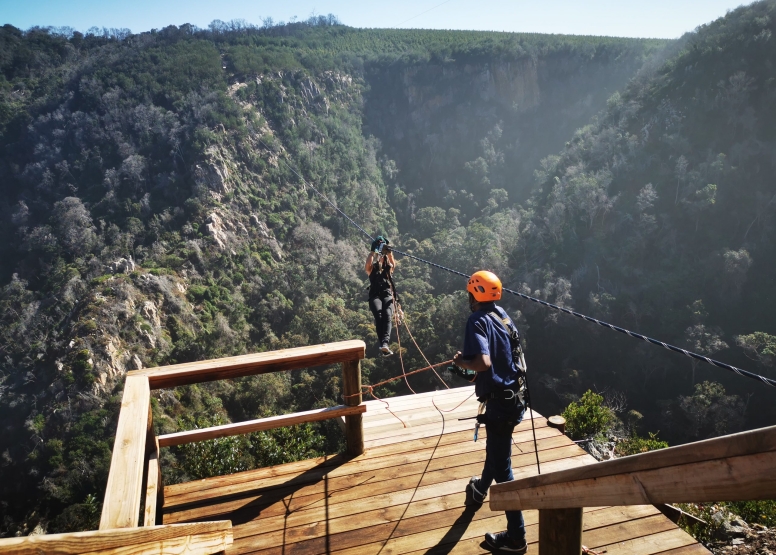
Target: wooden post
column 560, row 531
column 557, row 422
column 124, row 490
column 351, row 390
column 153, row 487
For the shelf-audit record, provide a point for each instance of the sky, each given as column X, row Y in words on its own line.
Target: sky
column 627, row 18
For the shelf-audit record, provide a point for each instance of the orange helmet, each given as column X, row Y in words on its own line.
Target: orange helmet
column 484, row 286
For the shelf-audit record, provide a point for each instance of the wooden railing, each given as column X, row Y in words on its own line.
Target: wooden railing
column 737, row 467
column 135, row 475
column 198, row 538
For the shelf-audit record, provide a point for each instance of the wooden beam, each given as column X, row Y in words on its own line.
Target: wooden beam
column 351, row 390
column 248, row 365
column 261, row 424
column 153, row 487
column 201, row 538
column 745, row 478
column 124, row 490
column 735, row 445
column 560, row 531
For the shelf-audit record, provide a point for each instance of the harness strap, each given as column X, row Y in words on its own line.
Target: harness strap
column 518, row 359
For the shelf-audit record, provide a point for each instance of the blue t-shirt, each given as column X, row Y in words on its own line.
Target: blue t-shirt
column 488, row 337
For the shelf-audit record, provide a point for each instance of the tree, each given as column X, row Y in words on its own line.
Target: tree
column 74, row 226
column 704, row 341
column 588, row 417
column 758, row 346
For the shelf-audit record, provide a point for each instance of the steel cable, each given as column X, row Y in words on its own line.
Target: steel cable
column 690, row 354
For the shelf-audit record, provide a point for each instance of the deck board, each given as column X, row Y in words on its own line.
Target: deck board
column 404, row 495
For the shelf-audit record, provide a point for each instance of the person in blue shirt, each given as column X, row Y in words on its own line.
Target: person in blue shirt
column 490, row 342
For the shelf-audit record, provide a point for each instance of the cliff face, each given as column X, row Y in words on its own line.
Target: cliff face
column 455, row 129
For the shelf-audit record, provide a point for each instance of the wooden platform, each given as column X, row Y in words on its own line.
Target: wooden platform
column 405, row 494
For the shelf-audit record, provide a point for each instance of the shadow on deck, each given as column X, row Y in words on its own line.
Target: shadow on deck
column 405, row 493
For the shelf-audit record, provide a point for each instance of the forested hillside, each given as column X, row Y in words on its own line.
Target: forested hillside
column 151, row 216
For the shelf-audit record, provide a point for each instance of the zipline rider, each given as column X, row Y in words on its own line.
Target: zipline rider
column 492, row 359
column 379, row 266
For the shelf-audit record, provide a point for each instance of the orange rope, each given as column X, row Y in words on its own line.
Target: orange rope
column 401, row 360
column 370, row 388
column 421, row 353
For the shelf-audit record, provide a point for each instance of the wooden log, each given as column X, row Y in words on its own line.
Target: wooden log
column 201, row 538
column 248, row 365
column 560, row 531
column 190, row 436
column 745, row 478
column 351, row 390
column 734, row 445
column 153, row 487
column 124, row 490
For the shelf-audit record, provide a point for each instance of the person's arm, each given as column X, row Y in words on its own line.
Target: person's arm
column 476, row 347
column 479, row 363
column 368, row 264
column 391, row 261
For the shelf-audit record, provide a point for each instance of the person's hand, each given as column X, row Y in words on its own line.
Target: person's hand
column 457, row 358
column 468, row 375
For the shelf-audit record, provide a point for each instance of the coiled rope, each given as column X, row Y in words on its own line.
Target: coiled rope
column 633, row 334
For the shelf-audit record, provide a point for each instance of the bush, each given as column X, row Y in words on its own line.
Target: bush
column 635, row 445
column 588, row 417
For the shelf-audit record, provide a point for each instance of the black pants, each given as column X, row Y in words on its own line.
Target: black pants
column 382, row 310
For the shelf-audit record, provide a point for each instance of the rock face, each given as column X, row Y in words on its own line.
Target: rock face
column 215, row 227
column 214, row 171
column 729, row 526
column 123, row 266
column 269, row 238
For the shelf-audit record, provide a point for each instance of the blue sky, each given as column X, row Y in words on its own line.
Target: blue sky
column 653, row 18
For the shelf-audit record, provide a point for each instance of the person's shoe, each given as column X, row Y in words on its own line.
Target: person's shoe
column 473, row 496
column 502, row 543
column 386, row 350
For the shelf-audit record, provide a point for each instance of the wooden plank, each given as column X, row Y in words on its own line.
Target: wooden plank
column 471, row 543
column 153, row 488
column 428, row 533
column 693, row 549
column 745, row 478
column 430, row 422
column 249, row 426
column 354, row 488
column 650, row 544
column 248, row 365
column 251, row 479
column 375, row 469
column 197, row 538
column 121, row 506
column 735, row 445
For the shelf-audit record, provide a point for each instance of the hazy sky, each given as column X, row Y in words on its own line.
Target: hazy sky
column 646, row 18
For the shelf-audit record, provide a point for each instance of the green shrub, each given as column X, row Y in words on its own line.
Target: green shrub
column 588, row 417
column 636, row 444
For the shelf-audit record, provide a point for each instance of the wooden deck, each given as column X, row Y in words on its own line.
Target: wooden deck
column 405, row 493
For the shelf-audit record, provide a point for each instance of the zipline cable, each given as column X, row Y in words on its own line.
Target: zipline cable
column 685, row 352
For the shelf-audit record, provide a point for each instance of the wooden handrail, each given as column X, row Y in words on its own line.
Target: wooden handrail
column 261, row 424
column 248, row 365
column 199, row 538
column 736, row 467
